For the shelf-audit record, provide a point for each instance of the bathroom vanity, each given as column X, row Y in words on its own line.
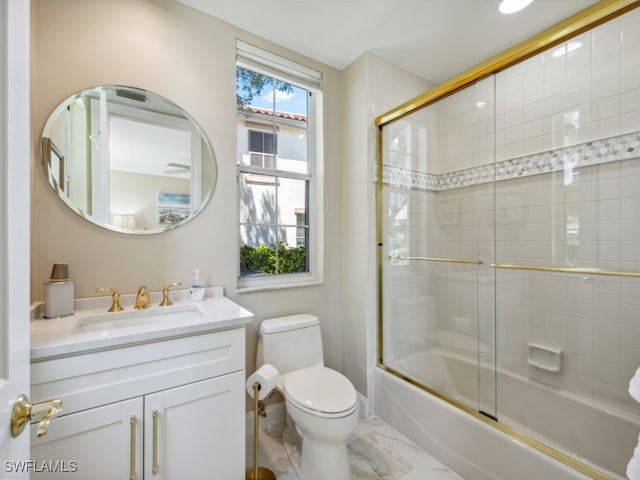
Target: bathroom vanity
column 156, row 394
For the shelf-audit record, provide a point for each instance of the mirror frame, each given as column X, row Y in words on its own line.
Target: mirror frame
column 53, row 161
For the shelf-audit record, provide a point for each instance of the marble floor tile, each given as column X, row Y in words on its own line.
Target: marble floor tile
column 376, row 451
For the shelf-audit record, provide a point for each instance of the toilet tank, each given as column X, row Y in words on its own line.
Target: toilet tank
column 290, row 343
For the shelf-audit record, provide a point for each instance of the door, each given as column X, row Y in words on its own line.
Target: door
column 14, row 225
column 196, row 431
column 98, row 443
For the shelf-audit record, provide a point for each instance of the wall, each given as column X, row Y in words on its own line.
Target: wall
column 187, row 57
column 372, row 85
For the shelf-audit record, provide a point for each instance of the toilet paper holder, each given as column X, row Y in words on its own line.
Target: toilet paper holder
column 257, row 472
column 260, row 385
column 262, row 408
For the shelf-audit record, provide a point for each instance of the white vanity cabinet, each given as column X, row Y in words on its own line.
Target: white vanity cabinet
column 196, row 430
column 97, row 443
column 171, row 409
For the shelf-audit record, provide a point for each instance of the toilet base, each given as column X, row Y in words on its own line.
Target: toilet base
column 325, row 461
column 322, row 460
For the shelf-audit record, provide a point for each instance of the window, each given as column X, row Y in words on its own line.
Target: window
column 278, row 112
column 262, row 149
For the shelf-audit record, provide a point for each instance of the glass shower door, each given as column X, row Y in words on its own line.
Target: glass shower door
column 511, row 235
column 438, row 243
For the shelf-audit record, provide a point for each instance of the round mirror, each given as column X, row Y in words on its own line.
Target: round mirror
column 128, row 159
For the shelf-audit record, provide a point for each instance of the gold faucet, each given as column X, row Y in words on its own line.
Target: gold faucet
column 115, row 297
column 165, row 294
column 142, row 298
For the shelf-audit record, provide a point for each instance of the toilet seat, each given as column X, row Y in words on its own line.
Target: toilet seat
column 320, row 391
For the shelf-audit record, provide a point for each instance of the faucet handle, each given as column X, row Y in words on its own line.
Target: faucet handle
column 165, row 294
column 115, row 297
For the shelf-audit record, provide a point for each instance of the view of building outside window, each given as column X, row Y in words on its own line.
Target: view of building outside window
column 273, row 175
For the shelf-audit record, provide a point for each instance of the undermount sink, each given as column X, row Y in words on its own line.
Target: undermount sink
column 93, row 328
column 174, row 314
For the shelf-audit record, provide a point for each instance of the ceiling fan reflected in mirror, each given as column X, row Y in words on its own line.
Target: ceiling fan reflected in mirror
column 177, row 168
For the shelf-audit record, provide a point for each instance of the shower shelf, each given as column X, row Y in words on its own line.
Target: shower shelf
column 545, row 358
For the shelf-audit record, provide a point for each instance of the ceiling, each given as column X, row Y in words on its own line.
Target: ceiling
column 435, row 39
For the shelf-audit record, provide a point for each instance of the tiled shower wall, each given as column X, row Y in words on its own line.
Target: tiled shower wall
column 562, row 128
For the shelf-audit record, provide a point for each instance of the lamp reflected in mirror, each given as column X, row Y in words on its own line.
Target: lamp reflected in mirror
column 123, row 220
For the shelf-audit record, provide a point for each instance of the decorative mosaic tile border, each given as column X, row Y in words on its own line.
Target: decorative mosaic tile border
column 595, row 152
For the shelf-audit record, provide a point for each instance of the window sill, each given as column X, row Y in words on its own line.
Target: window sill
column 270, row 283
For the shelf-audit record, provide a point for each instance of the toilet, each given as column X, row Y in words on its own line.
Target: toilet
column 321, row 403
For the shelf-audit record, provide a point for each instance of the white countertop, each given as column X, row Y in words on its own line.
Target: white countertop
column 62, row 337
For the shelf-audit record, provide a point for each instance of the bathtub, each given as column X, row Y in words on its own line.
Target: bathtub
column 583, row 429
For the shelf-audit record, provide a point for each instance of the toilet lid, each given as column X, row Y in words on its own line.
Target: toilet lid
column 320, row 389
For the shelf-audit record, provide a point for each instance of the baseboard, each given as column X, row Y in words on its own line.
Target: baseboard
column 363, row 405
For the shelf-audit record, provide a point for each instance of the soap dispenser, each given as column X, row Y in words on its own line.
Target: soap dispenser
column 197, row 288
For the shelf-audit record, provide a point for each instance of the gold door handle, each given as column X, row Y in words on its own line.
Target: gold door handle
column 154, row 466
column 24, row 411
column 132, row 466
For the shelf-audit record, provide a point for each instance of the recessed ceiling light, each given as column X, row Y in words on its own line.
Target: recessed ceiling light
column 512, row 6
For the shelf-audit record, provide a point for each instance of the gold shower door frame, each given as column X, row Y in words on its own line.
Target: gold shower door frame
column 585, row 20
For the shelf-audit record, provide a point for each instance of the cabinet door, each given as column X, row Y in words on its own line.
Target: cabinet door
column 196, row 431
column 98, row 443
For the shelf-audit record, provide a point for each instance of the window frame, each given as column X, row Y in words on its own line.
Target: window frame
column 271, row 65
